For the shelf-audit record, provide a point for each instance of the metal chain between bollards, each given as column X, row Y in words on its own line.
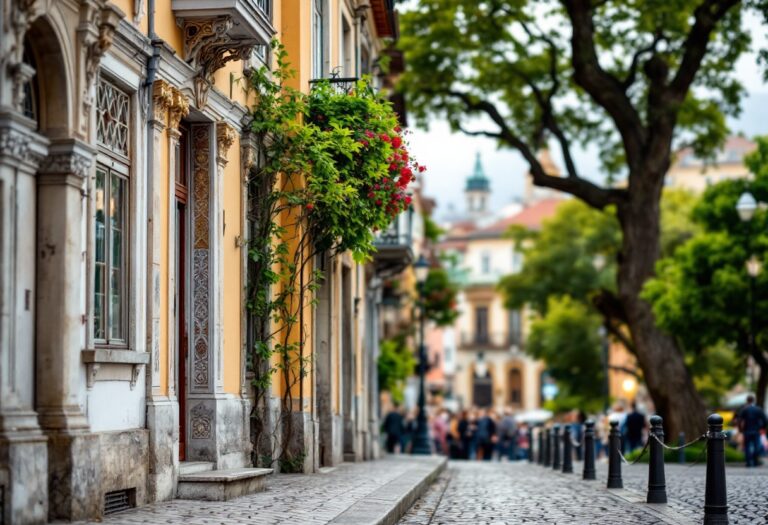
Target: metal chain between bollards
column 668, row 447
column 638, row 458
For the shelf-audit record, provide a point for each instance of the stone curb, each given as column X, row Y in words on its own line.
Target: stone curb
column 661, row 511
column 387, row 504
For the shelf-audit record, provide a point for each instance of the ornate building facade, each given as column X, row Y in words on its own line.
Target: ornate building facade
column 124, row 160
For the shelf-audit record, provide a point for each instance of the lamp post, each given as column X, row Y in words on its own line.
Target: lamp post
column 421, row 445
column 599, row 262
column 746, row 208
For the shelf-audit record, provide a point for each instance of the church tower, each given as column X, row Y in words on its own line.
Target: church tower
column 478, row 192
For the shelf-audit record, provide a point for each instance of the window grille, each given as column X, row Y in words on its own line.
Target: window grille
column 112, row 117
column 119, row 500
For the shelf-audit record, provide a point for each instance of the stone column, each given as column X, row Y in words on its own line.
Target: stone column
column 23, row 448
column 162, row 411
column 72, row 449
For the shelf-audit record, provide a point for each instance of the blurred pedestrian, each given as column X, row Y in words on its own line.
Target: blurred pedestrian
column 393, row 428
column 752, row 420
column 507, row 436
column 486, row 434
column 439, row 431
column 465, row 434
column 634, row 426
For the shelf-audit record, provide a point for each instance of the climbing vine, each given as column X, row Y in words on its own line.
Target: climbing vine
column 332, row 168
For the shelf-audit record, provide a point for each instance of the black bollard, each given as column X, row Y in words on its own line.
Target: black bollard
column 530, row 444
column 567, row 452
column 657, row 486
column 715, row 495
column 589, row 451
column 614, row 457
column 681, row 452
column 540, row 455
column 548, row 448
column 556, row 448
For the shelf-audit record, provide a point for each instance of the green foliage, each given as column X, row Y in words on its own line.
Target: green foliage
column 567, row 339
column 701, row 294
column 432, row 231
column 440, row 297
column 500, row 51
column 332, row 167
column 395, row 364
column 561, row 258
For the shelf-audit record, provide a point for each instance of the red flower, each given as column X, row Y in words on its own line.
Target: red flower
column 378, row 202
column 370, row 134
column 398, row 129
column 408, row 199
column 377, row 186
column 422, row 169
column 406, row 172
column 397, row 141
column 310, row 206
column 371, row 195
column 385, row 180
column 384, row 137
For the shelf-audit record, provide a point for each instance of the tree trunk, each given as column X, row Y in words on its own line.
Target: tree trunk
column 666, row 375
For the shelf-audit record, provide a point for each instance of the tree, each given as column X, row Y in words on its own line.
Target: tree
column 440, row 297
column 703, row 295
column 567, row 339
column 634, row 78
column 395, row 364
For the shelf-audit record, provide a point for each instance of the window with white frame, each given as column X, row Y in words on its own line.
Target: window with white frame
column 318, row 38
column 110, row 261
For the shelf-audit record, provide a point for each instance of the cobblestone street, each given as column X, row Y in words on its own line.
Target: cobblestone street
column 504, row 493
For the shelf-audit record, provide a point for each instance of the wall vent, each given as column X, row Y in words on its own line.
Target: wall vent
column 119, row 500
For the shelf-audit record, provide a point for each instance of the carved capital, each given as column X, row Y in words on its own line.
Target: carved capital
column 179, row 108
column 225, row 137
column 97, row 29
column 162, row 100
column 248, row 155
column 68, row 158
column 18, row 146
column 208, row 45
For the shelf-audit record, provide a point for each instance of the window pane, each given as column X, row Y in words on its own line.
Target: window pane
column 117, row 261
column 100, row 257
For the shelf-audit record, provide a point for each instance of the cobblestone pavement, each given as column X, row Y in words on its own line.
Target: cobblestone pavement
column 507, row 493
column 289, row 499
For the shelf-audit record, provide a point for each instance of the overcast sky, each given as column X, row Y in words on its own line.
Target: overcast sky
column 450, row 157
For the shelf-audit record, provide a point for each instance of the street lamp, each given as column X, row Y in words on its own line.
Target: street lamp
column 421, row 444
column 605, row 357
column 746, row 208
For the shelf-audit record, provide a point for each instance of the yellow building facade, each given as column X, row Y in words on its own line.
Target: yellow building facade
column 125, row 156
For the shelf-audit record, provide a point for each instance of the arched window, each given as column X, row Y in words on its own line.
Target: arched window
column 515, row 388
column 31, row 91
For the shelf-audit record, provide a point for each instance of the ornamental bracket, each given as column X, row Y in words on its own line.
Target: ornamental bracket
column 208, row 46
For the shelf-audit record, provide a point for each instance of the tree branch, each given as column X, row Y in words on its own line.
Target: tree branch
column 706, row 17
column 589, row 192
column 604, row 88
column 632, row 73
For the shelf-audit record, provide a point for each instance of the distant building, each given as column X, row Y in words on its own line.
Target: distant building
column 483, row 362
column 693, row 173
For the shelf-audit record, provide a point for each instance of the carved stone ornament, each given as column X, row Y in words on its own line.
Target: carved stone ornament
column 19, row 146
column 208, row 46
column 19, row 18
column 162, row 100
column 179, row 109
column 225, row 137
column 98, row 23
column 248, row 155
column 70, row 163
column 201, row 421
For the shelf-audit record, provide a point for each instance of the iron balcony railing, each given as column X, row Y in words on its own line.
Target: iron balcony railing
column 491, row 340
column 399, row 233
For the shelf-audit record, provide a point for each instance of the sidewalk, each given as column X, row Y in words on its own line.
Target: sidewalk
column 376, row 492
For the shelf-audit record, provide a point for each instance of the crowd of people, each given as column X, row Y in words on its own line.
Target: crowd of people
column 487, row 434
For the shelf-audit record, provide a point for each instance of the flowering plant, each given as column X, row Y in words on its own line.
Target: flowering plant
column 360, row 177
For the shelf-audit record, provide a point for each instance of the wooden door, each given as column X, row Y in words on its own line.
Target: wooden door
column 181, row 261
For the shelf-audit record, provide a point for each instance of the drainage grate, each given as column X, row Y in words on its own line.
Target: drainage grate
column 119, row 500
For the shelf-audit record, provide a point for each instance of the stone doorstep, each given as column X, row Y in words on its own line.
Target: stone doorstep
column 387, row 504
column 222, row 485
column 191, row 467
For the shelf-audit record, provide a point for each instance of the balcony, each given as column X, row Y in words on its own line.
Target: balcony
column 249, row 21
column 489, row 341
column 394, row 246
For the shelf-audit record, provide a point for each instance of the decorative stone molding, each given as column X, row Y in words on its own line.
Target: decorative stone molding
column 162, row 100
column 98, row 21
column 178, row 109
column 93, row 360
column 70, row 163
column 248, row 155
column 208, row 46
column 19, row 17
column 225, row 137
column 201, row 422
column 18, row 146
column 201, row 271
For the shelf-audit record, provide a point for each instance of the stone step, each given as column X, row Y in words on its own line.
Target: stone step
column 222, row 485
column 191, row 467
